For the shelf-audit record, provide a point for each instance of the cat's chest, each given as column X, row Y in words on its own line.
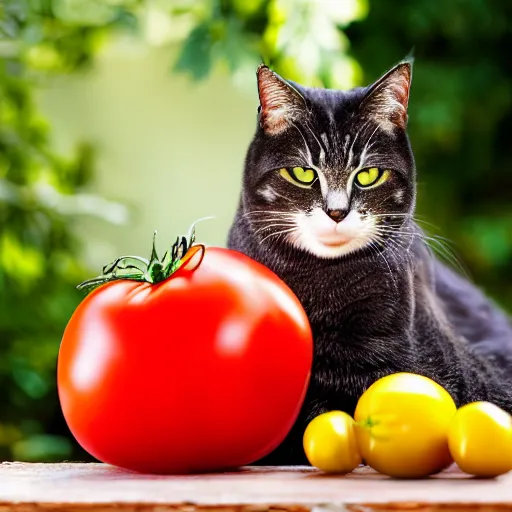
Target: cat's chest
column 360, row 319
column 335, row 294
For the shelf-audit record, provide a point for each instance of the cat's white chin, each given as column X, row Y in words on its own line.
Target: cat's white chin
column 322, row 250
column 319, row 235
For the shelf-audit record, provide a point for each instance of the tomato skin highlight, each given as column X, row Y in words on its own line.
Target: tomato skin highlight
column 206, row 370
column 480, row 439
column 330, row 443
column 402, row 426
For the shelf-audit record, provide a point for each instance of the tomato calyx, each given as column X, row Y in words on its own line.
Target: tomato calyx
column 367, row 423
column 152, row 270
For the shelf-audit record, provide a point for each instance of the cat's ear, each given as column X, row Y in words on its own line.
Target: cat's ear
column 280, row 103
column 387, row 99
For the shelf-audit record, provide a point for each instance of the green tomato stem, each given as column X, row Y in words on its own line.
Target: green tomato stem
column 367, row 423
column 154, row 270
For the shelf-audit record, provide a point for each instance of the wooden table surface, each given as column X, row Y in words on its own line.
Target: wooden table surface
column 99, row 487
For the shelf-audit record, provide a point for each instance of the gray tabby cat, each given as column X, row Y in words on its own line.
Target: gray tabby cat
column 327, row 203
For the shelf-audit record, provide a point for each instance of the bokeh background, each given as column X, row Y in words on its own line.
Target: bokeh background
column 119, row 117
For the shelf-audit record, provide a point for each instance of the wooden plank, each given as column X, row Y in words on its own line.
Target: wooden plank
column 99, row 487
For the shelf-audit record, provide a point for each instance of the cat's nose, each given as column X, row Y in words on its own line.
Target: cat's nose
column 337, row 215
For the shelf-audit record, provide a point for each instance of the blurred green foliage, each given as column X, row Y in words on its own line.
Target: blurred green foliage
column 461, row 109
column 40, row 194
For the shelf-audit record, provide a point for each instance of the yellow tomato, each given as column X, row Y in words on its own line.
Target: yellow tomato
column 402, row 425
column 330, row 443
column 480, row 439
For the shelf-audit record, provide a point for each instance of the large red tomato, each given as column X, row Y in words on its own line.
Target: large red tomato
column 202, row 371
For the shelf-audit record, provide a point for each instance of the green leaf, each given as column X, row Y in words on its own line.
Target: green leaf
column 237, row 47
column 195, row 57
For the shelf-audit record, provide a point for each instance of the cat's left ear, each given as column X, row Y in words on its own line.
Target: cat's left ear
column 280, row 103
column 387, row 99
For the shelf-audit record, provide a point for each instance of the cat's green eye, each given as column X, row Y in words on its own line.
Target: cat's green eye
column 372, row 177
column 300, row 176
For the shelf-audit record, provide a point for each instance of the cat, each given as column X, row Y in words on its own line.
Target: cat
column 327, row 203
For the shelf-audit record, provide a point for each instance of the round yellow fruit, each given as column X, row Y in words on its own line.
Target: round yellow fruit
column 480, row 439
column 330, row 443
column 402, row 426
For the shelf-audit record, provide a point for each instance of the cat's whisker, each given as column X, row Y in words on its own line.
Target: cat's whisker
column 381, row 254
column 267, row 216
column 397, row 246
column 285, row 231
column 408, row 215
column 270, row 226
column 396, row 254
column 396, row 227
column 386, row 244
column 396, row 236
column 396, row 223
column 390, row 233
column 374, row 250
column 419, row 219
column 439, row 246
column 271, row 219
column 416, row 232
column 272, row 222
column 428, row 224
column 392, row 215
column 253, row 212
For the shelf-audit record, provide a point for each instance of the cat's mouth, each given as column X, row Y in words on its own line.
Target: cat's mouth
column 323, row 237
column 333, row 242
